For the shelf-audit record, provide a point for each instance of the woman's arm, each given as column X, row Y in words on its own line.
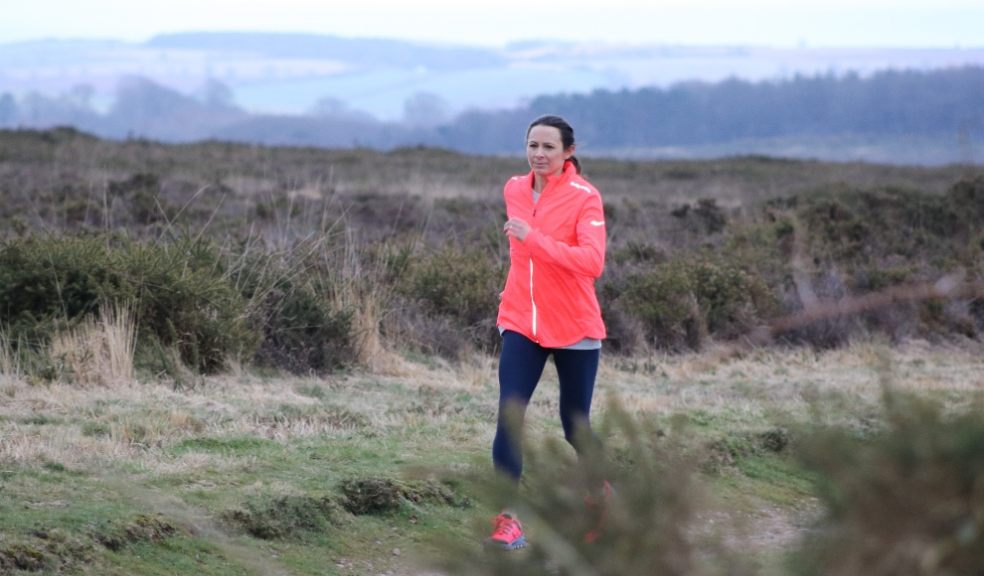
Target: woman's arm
column 587, row 257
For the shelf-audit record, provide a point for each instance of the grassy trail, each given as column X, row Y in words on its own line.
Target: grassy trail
column 366, row 473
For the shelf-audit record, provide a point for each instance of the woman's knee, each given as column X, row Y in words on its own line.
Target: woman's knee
column 576, row 427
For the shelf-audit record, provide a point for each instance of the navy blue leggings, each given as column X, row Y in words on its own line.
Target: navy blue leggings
column 520, row 367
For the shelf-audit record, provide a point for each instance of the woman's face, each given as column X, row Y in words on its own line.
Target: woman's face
column 545, row 151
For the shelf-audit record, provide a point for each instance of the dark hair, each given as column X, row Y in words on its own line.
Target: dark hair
column 566, row 133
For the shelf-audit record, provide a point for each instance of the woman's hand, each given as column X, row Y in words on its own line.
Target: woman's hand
column 516, row 228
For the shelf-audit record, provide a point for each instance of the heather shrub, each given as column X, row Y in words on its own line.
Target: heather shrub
column 705, row 216
column 46, row 283
column 664, row 300
column 180, row 295
column 139, row 200
column 967, row 194
column 857, row 241
column 904, row 498
column 881, row 227
column 653, row 520
column 684, row 300
column 460, row 284
column 303, row 332
column 626, row 333
column 298, row 322
column 184, row 299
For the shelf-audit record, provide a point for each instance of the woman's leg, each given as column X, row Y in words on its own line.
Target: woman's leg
column 520, row 367
column 577, row 370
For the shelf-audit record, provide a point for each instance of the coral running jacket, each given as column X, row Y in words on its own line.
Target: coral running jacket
column 550, row 294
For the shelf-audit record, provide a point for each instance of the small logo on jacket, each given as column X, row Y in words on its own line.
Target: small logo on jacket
column 581, row 187
column 597, row 222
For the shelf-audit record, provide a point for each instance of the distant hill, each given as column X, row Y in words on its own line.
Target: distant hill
column 900, row 105
column 291, row 73
column 354, row 51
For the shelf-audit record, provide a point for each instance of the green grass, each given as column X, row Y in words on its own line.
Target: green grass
column 766, row 479
column 267, row 457
column 88, row 505
column 179, row 555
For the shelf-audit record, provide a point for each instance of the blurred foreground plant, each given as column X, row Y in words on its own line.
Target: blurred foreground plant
column 907, row 498
column 649, row 525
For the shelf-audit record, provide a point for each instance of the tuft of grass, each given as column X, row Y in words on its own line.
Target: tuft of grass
column 10, row 367
column 373, row 496
column 143, row 528
column 98, row 351
column 285, row 517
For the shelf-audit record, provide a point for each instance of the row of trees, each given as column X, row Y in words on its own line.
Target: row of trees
column 891, row 103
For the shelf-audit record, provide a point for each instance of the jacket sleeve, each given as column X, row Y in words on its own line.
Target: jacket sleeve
column 587, row 257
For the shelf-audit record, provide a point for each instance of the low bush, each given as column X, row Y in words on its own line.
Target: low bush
column 684, row 300
column 299, row 325
column 47, row 282
column 180, row 295
column 653, row 520
column 460, row 284
column 284, row 517
column 184, row 299
column 903, row 499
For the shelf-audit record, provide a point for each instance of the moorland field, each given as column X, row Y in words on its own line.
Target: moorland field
column 231, row 359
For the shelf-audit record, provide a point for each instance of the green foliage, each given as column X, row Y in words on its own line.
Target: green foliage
column 706, row 214
column 459, row 284
column 291, row 306
column 904, row 499
column 868, row 227
column 303, row 332
column 646, row 525
column 140, row 194
column 45, row 282
column 181, row 296
column 184, row 299
column 284, row 517
column 297, row 303
column 682, row 300
column 456, row 282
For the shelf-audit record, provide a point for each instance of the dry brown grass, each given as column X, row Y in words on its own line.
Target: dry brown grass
column 789, row 383
column 431, row 407
column 99, row 351
column 136, row 422
column 355, row 289
column 9, row 365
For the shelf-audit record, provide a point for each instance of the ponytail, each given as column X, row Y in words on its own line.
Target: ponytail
column 577, row 163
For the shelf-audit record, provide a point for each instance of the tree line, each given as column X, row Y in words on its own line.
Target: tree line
column 945, row 102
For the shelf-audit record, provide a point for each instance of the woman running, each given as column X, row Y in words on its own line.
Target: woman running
column 556, row 229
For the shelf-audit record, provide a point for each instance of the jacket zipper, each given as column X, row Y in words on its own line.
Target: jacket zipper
column 532, row 300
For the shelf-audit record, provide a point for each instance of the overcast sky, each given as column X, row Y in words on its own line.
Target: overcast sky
column 897, row 23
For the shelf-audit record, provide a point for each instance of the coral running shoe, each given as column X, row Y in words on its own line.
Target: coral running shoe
column 507, row 534
column 597, row 507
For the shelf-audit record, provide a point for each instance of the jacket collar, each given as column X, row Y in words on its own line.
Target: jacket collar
column 567, row 173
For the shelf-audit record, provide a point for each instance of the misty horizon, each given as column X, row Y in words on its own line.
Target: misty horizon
column 298, row 74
